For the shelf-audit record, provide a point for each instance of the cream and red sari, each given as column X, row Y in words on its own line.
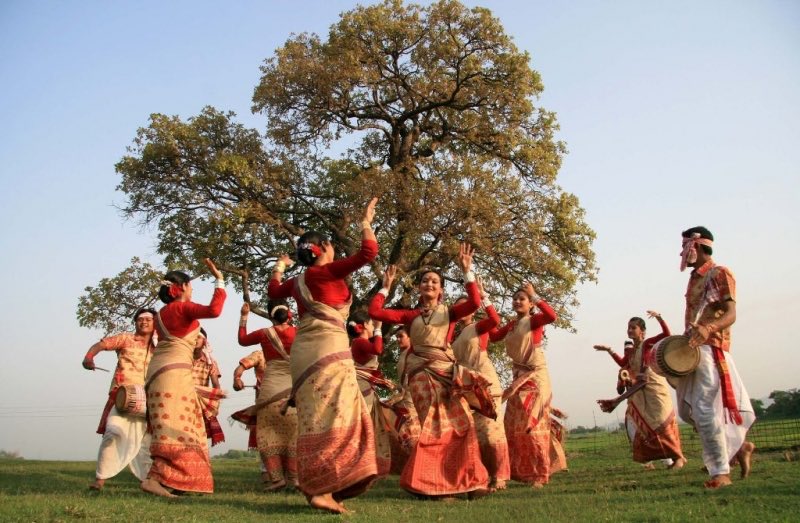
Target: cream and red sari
column 335, row 441
column 276, row 432
column 491, row 433
column 650, row 418
column 175, row 413
column 369, row 379
column 534, row 453
column 446, row 459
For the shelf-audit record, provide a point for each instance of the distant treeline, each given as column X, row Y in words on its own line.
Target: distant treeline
column 785, row 404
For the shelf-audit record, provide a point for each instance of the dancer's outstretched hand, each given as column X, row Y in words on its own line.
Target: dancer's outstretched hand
column 465, row 252
column 388, row 276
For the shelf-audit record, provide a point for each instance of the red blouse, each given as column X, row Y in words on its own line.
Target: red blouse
column 406, row 316
column 647, row 346
column 286, row 335
column 364, row 349
column 538, row 321
column 180, row 317
column 484, row 327
column 326, row 282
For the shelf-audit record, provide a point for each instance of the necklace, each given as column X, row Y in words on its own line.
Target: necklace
column 426, row 315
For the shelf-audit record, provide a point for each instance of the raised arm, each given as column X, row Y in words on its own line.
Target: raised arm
column 245, row 339
column 276, row 289
column 499, row 333
column 109, row 343
column 473, row 301
column 376, row 310
column 492, row 319
column 367, row 253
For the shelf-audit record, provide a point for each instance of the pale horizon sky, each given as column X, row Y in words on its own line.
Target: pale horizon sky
column 675, row 114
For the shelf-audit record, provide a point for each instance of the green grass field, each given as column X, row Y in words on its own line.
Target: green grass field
column 602, row 485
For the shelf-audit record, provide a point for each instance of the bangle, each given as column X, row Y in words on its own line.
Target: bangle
column 220, row 283
column 377, row 333
column 243, row 321
column 366, row 225
column 486, row 302
column 280, row 266
column 536, row 299
column 469, row 276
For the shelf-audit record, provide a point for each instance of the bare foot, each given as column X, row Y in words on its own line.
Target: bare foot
column 537, row 485
column 649, row 466
column 718, row 481
column 745, row 455
column 500, row 484
column 677, row 464
column 98, row 484
column 478, row 493
column 152, row 486
column 327, row 503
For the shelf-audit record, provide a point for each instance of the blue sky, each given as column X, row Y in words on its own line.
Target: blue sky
column 675, row 114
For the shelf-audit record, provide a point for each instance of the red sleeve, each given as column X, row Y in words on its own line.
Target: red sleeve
column 498, row 334
column 548, row 315
column 195, row 311
column 246, row 340
column 276, row 289
column 377, row 345
column 396, row 316
column 621, row 361
column 650, row 342
column 465, row 308
column 363, row 349
column 489, row 323
column 341, row 268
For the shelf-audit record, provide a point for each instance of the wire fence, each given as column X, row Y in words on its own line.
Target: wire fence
column 767, row 435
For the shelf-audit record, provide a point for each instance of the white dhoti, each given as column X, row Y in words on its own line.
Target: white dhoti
column 125, row 442
column 700, row 404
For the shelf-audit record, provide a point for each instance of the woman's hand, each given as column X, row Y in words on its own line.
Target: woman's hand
column 369, row 212
column 603, row 348
column 212, row 268
column 465, row 257
column 388, row 276
column 245, row 309
column 529, row 290
column 653, row 314
column 287, row 261
column 238, row 384
column 481, row 290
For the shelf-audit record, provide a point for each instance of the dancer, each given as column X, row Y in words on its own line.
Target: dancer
column 175, row 413
column 125, row 438
column 650, row 419
column 335, row 442
column 366, row 346
column 206, row 375
column 276, row 433
column 534, row 453
column 248, row 416
column 446, row 460
column 406, row 425
column 469, row 349
column 713, row 398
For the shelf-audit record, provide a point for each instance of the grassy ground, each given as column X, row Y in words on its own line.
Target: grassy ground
column 600, row 486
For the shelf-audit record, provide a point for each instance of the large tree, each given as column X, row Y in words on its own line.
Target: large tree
column 431, row 108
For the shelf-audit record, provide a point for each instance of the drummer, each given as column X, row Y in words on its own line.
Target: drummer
column 650, row 420
column 713, row 398
column 125, row 438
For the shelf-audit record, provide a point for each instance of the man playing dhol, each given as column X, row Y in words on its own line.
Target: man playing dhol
column 125, row 438
column 713, row 398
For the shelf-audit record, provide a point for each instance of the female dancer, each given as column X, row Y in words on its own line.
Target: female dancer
column 248, row 416
column 470, row 350
column 206, row 374
column 276, row 434
column 407, row 424
column 446, row 460
column 335, row 443
column 366, row 346
column 179, row 448
column 527, row 418
column 650, row 419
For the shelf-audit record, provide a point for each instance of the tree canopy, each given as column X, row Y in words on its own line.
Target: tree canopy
column 432, row 108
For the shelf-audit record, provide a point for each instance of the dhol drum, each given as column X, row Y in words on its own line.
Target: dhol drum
column 672, row 357
column 131, row 400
